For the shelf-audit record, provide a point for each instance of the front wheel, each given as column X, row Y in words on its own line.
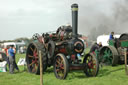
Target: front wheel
column 91, row 65
column 61, row 66
column 109, row 55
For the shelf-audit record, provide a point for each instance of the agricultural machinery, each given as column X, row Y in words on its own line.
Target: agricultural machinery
column 114, row 53
column 63, row 50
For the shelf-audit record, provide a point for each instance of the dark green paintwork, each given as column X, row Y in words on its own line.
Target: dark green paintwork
column 107, row 57
column 124, row 43
column 111, row 42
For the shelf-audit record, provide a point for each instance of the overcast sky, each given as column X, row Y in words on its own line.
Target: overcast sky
column 23, row 18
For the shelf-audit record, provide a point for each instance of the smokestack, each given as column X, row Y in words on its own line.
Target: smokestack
column 74, row 8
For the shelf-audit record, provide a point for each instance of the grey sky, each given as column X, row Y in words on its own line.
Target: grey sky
column 23, row 18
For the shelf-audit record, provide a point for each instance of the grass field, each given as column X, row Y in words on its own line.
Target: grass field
column 107, row 76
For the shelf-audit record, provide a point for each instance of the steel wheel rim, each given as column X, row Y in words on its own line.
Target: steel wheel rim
column 60, row 67
column 33, row 59
column 91, row 65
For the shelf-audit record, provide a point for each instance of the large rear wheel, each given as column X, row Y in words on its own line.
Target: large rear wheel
column 32, row 57
column 61, row 66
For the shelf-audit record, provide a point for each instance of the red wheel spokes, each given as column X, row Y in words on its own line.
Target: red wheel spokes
column 35, row 54
column 59, row 66
column 33, row 62
column 58, row 62
column 57, row 70
column 34, row 59
column 91, row 65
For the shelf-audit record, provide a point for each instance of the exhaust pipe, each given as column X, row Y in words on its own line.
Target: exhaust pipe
column 74, row 8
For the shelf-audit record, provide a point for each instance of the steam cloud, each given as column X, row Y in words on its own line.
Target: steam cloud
column 117, row 21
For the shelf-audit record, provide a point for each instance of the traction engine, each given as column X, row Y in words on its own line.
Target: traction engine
column 63, row 50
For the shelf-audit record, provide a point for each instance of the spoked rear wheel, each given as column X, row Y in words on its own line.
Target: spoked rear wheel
column 91, row 67
column 32, row 57
column 61, row 66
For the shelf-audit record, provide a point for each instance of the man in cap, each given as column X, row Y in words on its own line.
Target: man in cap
column 11, row 53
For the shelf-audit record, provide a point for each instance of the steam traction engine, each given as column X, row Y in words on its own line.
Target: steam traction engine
column 114, row 53
column 62, row 49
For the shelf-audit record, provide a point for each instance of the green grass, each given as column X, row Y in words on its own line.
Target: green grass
column 107, row 76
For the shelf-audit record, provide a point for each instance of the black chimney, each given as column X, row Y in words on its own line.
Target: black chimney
column 74, row 19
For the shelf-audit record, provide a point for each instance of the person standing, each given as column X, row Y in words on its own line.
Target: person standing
column 15, row 65
column 11, row 53
column 111, row 37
